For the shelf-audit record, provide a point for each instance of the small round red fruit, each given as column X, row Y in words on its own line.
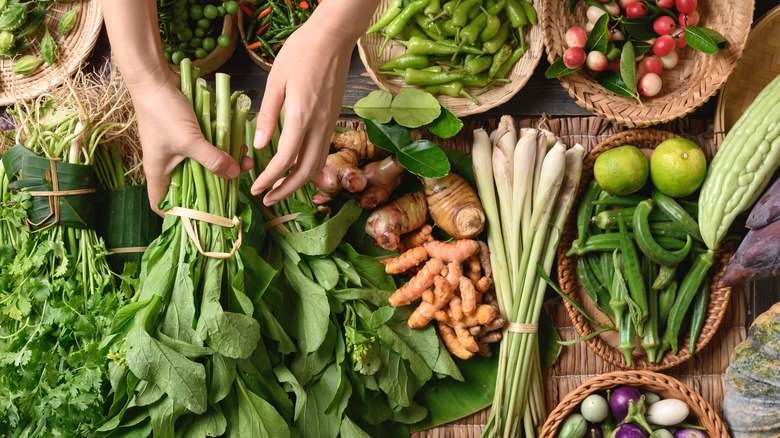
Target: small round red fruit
column 614, row 65
column 691, row 19
column 663, row 45
column 650, row 85
column 679, row 38
column 625, row 3
column 593, row 13
column 685, row 6
column 636, row 10
column 650, row 64
column 668, row 4
column 670, row 61
column 596, row 61
column 615, row 35
column 576, row 37
column 664, row 25
column 612, row 8
column 574, row 57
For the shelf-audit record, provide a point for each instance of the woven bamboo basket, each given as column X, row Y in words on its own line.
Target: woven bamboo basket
column 219, row 56
column 369, row 47
column 661, row 384
column 605, row 345
column 74, row 49
column 252, row 55
column 757, row 67
column 695, row 79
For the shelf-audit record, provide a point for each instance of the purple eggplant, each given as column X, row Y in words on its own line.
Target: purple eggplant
column 758, row 256
column 628, row 430
column 767, row 209
column 594, row 431
column 690, row 433
column 621, row 397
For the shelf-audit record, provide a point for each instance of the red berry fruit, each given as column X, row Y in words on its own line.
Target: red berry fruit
column 650, row 64
column 650, row 85
column 612, row 8
column 670, row 61
column 679, row 38
column 685, row 6
column 664, row 25
column 663, row 45
column 691, row 19
column 574, row 57
column 668, row 4
column 576, row 37
column 636, row 10
column 596, row 61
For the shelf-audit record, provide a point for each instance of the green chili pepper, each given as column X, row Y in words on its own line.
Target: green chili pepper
column 478, row 80
column 448, row 28
column 433, row 68
column 496, row 7
column 462, row 48
column 420, row 46
column 407, row 60
column 421, row 77
column 430, row 29
column 471, row 31
column 529, row 11
column 413, row 29
column 454, row 89
column 498, row 59
column 279, row 14
column 491, row 28
column 460, row 15
column 492, row 45
column 433, row 8
column 449, row 7
column 515, row 13
column 506, row 67
column 399, row 22
column 700, row 303
column 393, row 9
column 477, row 65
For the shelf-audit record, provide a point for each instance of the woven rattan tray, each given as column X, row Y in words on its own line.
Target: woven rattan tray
column 663, row 385
column 74, row 49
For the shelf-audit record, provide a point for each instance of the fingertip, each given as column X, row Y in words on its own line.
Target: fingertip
column 260, row 140
column 246, row 164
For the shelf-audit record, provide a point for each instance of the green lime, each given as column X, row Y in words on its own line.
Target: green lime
column 224, row 40
column 678, row 167
column 185, row 35
column 200, row 33
column 210, row 12
column 195, row 42
column 196, row 12
column 622, row 170
column 204, row 23
column 200, row 53
column 231, row 7
column 221, row 11
column 209, row 44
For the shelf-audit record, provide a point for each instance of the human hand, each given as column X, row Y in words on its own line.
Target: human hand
column 170, row 133
column 308, row 77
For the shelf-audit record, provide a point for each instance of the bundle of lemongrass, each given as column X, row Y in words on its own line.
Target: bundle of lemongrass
column 527, row 186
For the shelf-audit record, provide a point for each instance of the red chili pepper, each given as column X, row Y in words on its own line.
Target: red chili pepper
column 264, row 13
column 304, row 5
column 255, row 45
column 262, row 29
column 247, row 10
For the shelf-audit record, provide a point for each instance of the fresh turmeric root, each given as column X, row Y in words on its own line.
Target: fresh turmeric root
column 457, row 252
column 425, row 312
column 468, row 295
column 357, row 141
column 341, row 171
column 451, row 342
column 406, row 261
column 387, row 223
column 414, row 289
column 382, row 178
column 417, row 238
column 454, row 206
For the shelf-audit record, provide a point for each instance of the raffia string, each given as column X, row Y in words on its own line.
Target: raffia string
column 188, row 215
column 516, row 327
column 281, row 220
column 127, row 250
column 54, row 198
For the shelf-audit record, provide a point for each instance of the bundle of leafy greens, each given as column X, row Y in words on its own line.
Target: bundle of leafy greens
column 57, row 294
column 357, row 366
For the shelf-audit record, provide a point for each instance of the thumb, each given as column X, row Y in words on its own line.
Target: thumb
column 214, row 160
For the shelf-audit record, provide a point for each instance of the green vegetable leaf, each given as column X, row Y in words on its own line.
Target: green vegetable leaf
column 388, row 136
column 324, row 238
column 628, row 67
column 572, row 5
column 549, row 345
column 312, row 308
column 371, row 271
column 461, row 164
column 223, row 374
column 375, row 106
column 349, row 429
column 716, row 37
column 284, row 375
column 257, row 417
column 654, row 11
column 325, row 271
column 377, row 297
column 424, row 158
column 446, row 125
column 641, row 47
column 317, row 420
column 234, row 335
column 598, row 37
column 702, row 40
column 558, row 69
column 212, row 423
column 164, row 414
column 639, row 28
column 613, row 82
column 413, row 108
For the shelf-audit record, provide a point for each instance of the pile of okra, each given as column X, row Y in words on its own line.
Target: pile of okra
column 457, row 44
column 641, row 259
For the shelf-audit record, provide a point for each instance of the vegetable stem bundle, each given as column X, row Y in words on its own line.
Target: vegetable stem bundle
column 527, row 187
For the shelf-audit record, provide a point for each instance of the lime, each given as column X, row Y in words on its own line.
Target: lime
column 678, row 167
column 224, row 40
column 209, row 44
column 231, row 7
column 196, row 12
column 210, row 12
column 621, row 171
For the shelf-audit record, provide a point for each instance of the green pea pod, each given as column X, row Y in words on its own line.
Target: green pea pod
column 498, row 59
column 529, row 11
column 478, row 64
column 433, row 8
column 497, row 7
column 393, row 9
column 504, row 70
column 460, row 15
column 421, row 77
column 471, row 31
column 492, row 45
column 515, row 13
column 646, row 242
column 431, row 29
column 454, row 89
column 491, row 28
column 700, row 303
column 407, row 60
column 399, row 22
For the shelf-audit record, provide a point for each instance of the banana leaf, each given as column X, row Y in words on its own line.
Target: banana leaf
column 127, row 221
column 27, row 171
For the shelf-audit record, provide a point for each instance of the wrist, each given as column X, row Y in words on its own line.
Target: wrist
column 143, row 83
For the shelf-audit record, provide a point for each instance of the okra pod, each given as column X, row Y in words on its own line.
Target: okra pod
column 665, row 277
column 646, row 241
column 700, row 303
column 595, row 289
column 651, row 341
column 685, row 294
column 666, row 297
column 677, row 214
column 633, row 272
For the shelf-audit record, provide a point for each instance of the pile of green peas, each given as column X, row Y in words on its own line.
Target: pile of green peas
column 191, row 28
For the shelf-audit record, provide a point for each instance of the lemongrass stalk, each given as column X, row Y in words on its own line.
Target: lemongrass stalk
column 546, row 141
column 505, row 141
column 522, row 185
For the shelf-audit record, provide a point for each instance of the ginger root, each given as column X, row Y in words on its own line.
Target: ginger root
column 357, row 141
column 341, row 171
column 387, row 223
column 454, row 206
column 382, row 178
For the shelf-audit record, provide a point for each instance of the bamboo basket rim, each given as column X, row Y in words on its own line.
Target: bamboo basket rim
column 761, row 45
column 368, row 49
column 569, row 280
column 219, row 56
column 75, row 48
column 696, row 78
column 252, row 55
column 666, row 386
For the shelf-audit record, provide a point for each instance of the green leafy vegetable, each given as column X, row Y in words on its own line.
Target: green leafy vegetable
column 446, row 125
column 422, row 157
